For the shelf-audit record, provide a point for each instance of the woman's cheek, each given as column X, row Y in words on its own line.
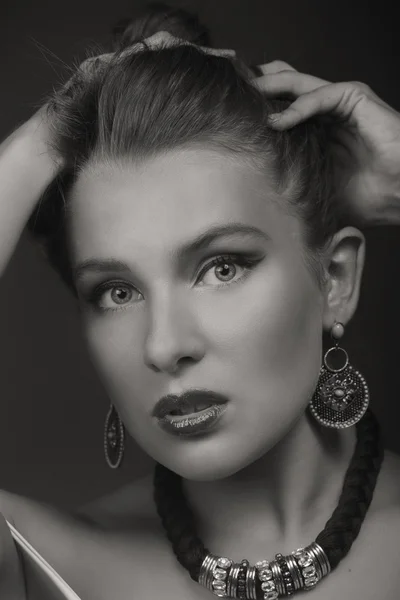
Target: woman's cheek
column 108, row 343
column 280, row 329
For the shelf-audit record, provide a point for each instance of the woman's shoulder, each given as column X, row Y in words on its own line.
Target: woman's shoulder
column 61, row 534
column 56, row 536
column 32, row 516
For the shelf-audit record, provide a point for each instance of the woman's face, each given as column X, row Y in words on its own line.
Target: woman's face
column 167, row 319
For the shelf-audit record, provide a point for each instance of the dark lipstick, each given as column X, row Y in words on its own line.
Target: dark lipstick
column 201, row 410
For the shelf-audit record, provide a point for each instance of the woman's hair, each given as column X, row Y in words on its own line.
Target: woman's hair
column 141, row 103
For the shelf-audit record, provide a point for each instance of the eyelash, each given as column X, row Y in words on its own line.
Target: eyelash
column 237, row 259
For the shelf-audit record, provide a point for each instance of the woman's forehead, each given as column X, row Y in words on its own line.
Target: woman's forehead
column 176, row 194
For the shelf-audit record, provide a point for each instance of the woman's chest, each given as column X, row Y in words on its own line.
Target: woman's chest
column 149, row 570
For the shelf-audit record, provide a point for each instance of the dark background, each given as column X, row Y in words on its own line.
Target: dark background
column 52, row 404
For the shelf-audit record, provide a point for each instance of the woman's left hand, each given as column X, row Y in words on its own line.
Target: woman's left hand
column 366, row 140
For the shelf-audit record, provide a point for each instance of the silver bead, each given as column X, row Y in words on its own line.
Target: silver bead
column 295, row 572
column 321, row 558
column 231, row 587
column 278, row 579
column 251, row 583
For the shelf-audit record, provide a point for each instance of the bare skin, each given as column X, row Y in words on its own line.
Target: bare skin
column 123, row 551
column 126, row 531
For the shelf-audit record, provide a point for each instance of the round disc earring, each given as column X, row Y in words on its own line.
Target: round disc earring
column 341, row 396
column 114, row 438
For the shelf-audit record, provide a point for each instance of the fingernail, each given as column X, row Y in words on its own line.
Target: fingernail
column 274, row 117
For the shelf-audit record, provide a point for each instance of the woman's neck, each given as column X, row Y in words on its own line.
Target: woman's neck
column 279, row 502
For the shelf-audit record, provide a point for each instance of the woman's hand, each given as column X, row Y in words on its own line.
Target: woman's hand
column 365, row 141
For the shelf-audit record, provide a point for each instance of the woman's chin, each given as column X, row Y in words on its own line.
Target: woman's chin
column 221, row 464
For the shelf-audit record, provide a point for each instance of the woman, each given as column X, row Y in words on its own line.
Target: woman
column 180, row 177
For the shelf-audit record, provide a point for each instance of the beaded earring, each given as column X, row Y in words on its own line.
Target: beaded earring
column 341, row 396
column 114, row 438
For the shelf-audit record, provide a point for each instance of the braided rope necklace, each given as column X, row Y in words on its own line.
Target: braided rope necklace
column 284, row 575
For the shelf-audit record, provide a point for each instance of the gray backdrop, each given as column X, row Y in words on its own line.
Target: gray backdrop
column 52, row 405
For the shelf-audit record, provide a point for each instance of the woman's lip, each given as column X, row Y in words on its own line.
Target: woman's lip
column 194, row 423
column 187, row 401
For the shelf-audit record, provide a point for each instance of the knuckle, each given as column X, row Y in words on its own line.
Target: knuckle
column 353, row 93
column 359, row 88
column 275, row 67
column 280, row 65
column 295, row 111
column 164, row 35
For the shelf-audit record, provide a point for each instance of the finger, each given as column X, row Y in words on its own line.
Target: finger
column 337, row 99
column 289, row 82
column 275, row 67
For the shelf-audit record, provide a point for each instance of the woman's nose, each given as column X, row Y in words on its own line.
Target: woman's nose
column 173, row 339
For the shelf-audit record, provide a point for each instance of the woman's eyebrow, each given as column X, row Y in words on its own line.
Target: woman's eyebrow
column 200, row 242
column 205, row 239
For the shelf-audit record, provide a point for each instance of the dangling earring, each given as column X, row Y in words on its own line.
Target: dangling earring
column 114, row 438
column 341, row 397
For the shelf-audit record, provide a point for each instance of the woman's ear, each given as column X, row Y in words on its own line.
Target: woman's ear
column 344, row 262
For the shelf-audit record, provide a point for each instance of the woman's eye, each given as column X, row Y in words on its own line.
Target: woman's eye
column 224, row 270
column 114, row 295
